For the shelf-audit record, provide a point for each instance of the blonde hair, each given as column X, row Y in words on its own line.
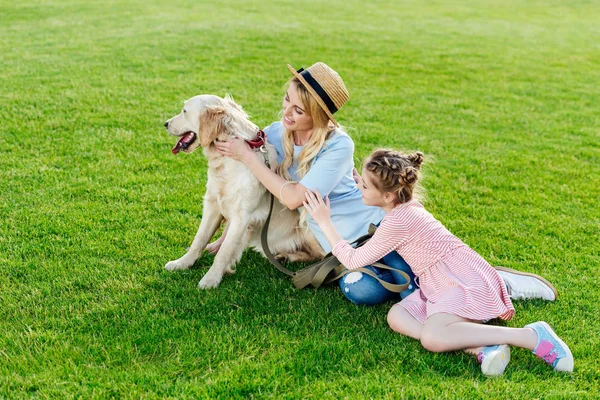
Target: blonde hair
column 396, row 173
column 320, row 133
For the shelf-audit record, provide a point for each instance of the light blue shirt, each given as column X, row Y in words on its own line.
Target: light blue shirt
column 331, row 173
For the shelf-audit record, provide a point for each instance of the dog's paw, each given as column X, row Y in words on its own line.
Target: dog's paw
column 282, row 258
column 230, row 270
column 209, row 281
column 214, row 247
column 178, row 265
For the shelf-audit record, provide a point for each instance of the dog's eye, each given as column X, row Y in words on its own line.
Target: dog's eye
column 184, row 111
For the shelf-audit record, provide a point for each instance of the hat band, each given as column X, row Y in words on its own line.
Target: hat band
column 318, row 89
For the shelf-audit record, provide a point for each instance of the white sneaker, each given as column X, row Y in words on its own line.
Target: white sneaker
column 525, row 286
column 494, row 359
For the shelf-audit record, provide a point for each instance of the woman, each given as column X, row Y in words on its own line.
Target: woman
column 315, row 153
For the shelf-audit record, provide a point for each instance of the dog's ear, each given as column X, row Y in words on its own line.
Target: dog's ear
column 231, row 102
column 211, row 124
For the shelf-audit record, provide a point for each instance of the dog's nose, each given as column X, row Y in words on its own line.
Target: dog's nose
column 167, row 124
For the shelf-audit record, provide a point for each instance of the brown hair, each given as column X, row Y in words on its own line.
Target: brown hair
column 396, row 173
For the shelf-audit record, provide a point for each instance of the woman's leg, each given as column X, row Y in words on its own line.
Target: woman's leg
column 395, row 261
column 363, row 289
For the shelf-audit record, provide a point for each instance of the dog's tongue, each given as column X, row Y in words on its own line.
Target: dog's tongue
column 183, row 142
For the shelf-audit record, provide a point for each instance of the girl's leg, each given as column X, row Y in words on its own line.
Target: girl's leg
column 403, row 322
column 437, row 335
column 446, row 332
column 493, row 360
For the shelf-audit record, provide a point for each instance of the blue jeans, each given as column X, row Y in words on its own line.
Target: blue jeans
column 360, row 288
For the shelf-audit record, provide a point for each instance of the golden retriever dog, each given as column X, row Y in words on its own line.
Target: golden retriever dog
column 233, row 193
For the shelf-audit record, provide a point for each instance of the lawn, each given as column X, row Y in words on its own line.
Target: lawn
column 502, row 96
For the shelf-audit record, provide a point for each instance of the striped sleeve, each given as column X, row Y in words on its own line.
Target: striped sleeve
column 391, row 235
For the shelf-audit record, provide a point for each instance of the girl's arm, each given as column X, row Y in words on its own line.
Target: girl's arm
column 290, row 194
column 382, row 243
column 321, row 212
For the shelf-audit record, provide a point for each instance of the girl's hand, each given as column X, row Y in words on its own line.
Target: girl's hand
column 316, row 207
column 235, row 148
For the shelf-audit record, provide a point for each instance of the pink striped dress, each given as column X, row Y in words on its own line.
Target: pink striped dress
column 452, row 277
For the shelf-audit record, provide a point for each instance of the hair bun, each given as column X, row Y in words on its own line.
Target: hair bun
column 416, row 159
column 409, row 175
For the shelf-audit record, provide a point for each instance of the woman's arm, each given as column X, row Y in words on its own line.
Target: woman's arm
column 290, row 194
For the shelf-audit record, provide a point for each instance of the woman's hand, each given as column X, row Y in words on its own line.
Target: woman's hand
column 317, row 208
column 235, row 148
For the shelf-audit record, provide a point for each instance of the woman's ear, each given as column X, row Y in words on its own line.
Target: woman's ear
column 211, row 125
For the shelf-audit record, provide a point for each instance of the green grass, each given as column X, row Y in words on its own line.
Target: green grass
column 502, row 94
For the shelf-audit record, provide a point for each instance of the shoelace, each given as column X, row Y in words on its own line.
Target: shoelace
column 550, row 358
column 526, row 293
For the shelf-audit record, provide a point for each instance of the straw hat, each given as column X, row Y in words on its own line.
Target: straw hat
column 325, row 85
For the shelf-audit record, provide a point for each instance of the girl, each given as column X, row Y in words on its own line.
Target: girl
column 457, row 290
column 313, row 151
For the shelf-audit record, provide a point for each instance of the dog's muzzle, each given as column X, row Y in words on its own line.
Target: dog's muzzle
column 184, row 142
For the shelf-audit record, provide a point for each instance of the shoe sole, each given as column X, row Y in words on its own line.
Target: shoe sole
column 567, row 362
column 495, row 366
column 514, row 271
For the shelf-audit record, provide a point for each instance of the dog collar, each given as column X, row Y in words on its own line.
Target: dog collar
column 259, row 141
